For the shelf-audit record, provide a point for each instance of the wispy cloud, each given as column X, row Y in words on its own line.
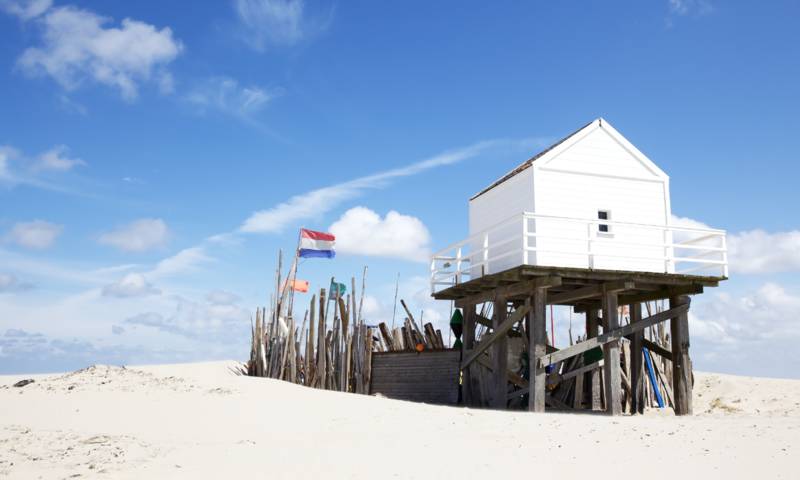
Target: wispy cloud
column 317, row 202
column 25, row 9
column 138, row 236
column 131, row 285
column 36, row 234
column 186, row 260
column 226, row 95
column 274, row 23
column 10, row 283
column 690, row 7
column 56, row 159
column 79, row 45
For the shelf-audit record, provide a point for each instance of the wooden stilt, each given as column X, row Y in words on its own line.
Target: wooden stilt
column 611, row 360
column 637, row 377
column 500, row 357
column 681, row 363
column 592, row 330
column 466, row 345
column 537, row 348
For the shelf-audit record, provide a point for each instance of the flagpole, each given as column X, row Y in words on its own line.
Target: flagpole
column 296, row 264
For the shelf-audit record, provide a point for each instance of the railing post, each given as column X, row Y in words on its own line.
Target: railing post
column 524, row 239
column 589, row 234
column 433, row 275
column 724, row 255
column 458, row 266
column 669, row 252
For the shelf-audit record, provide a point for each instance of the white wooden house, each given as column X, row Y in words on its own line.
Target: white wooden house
column 591, row 201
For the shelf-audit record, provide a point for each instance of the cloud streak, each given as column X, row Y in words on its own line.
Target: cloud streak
column 317, row 202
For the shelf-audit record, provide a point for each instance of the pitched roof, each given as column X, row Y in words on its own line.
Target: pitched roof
column 527, row 163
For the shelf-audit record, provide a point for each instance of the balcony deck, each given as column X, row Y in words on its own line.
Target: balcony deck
column 578, row 287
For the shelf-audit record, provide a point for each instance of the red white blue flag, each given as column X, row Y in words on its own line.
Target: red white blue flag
column 316, row 244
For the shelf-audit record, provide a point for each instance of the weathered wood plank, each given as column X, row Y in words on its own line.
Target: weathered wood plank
column 590, row 291
column 613, row 335
column 681, row 363
column 592, row 331
column 656, row 348
column 636, row 361
column 488, row 340
column 513, row 290
column 500, row 356
column 537, row 348
column 466, row 346
column 611, row 358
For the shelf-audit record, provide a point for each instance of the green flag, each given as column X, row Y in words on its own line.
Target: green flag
column 338, row 288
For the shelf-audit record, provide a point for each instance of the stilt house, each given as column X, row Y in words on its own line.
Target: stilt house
column 585, row 223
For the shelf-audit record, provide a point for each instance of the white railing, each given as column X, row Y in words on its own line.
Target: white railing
column 546, row 240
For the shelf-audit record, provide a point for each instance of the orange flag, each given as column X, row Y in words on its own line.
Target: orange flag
column 300, row 286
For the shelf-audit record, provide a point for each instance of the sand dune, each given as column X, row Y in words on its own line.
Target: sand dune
column 203, row 421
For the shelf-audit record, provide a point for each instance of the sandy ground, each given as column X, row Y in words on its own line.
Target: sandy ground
column 202, row 421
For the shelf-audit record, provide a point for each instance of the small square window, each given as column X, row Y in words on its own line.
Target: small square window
column 603, row 215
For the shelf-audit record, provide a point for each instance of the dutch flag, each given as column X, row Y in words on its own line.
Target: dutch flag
column 316, row 244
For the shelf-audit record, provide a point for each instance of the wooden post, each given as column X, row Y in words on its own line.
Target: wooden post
column 537, row 348
column 681, row 363
column 466, row 345
column 592, row 330
column 612, row 373
column 500, row 358
column 637, row 377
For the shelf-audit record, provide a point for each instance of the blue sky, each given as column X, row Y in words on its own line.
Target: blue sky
column 138, row 140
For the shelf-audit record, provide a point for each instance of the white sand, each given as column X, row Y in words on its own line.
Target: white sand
column 201, row 421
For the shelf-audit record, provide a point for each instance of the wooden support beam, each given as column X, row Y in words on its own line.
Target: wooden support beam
column 537, row 349
column 611, row 360
column 487, row 341
column 592, row 331
column 681, row 363
column 513, row 290
column 481, row 320
column 656, row 348
column 580, row 371
column 659, row 294
column 590, row 291
column 466, row 345
column 636, row 361
column 613, row 335
column 500, row 356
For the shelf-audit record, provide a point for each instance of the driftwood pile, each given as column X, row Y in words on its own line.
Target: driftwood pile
column 410, row 337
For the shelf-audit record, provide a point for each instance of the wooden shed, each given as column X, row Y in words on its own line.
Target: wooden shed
column 585, row 223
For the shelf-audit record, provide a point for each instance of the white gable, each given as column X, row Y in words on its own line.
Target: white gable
column 598, row 149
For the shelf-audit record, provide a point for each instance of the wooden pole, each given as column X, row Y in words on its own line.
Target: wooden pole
column 537, row 348
column 681, row 363
column 612, row 372
column 637, row 377
column 466, row 346
column 500, row 357
column 592, row 330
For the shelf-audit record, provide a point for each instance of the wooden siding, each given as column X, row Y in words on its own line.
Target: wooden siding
column 430, row 377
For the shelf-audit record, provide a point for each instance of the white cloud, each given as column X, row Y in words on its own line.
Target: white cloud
column 78, row 45
column 757, row 251
column 185, row 260
column 25, row 9
column 6, row 155
column 315, row 203
column 56, row 159
column 224, row 94
column 690, row 7
column 37, row 234
column 138, row 236
column 271, row 22
column 361, row 231
column 10, row 283
column 221, row 297
column 131, row 285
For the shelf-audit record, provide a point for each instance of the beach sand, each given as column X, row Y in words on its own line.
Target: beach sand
column 204, row 421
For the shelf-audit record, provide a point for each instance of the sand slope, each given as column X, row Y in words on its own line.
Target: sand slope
column 202, row 421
